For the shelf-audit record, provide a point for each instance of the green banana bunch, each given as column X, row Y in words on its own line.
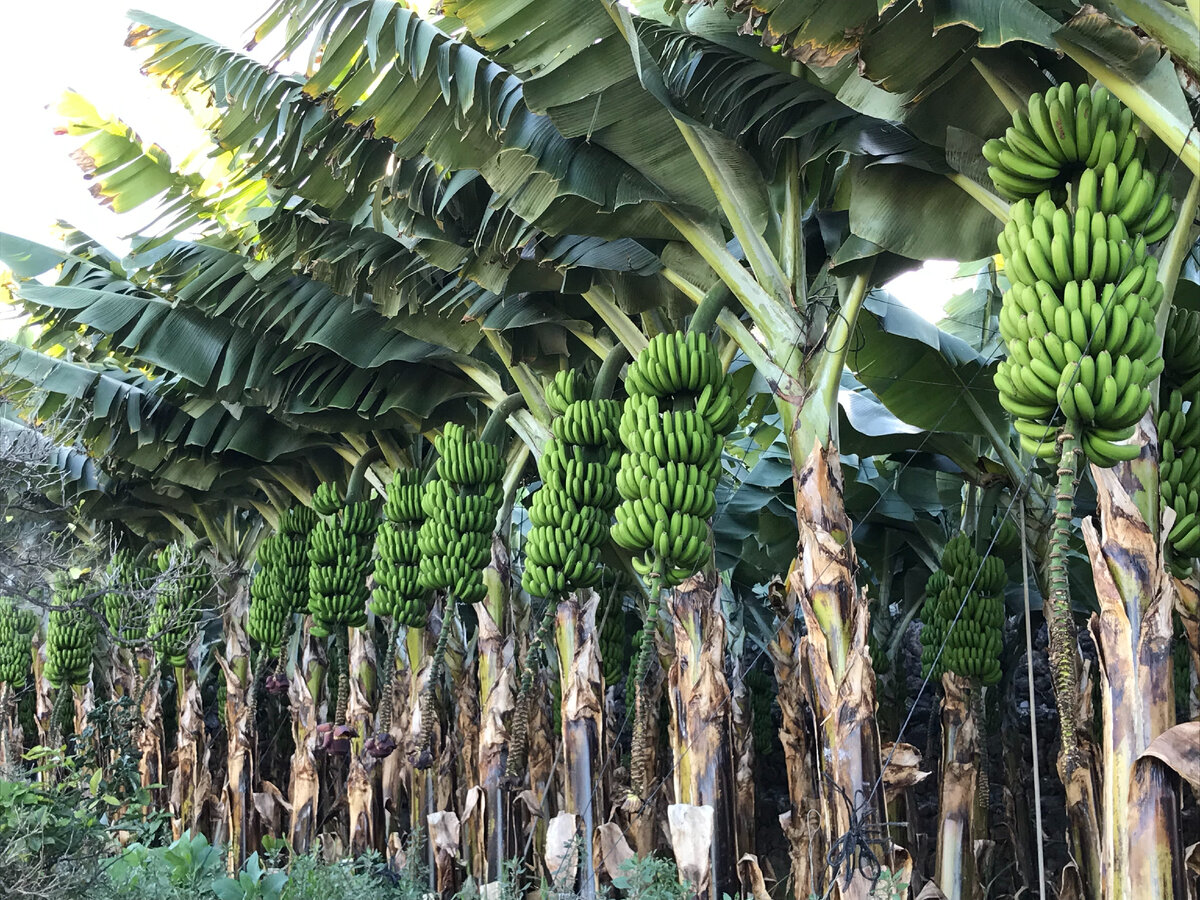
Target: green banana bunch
column 398, row 593
column 460, row 508
column 1181, row 350
column 16, row 642
column 70, row 635
column 761, row 688
column 612, row 642
column 1085, row 139
column 176, row 615
column 1080, row 349
column 127, row 581
column 974, row 641
column 572, row 510
column 327, row 499
column 680, row 407
column 280, row 585
column 339, row 557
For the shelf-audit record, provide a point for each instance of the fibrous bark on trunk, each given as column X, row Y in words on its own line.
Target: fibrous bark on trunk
column 307, row 706
column 1140, row 853
column 365, row 828
column 700, row 726
column 576, row 638
column 955, row 870
column 240, row 728
column 190, row 780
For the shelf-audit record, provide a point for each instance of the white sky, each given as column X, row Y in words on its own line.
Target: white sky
column 55, row 45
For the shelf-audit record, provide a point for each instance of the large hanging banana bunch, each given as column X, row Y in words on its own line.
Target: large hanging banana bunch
column 1078, row 322
column 398, row 593
column 181, row 592
column 973, row 646
column 16, row 642
column 571, row 512
column 1069, row 130
column 267, row 607
column 680, row 407
column 1179, row 436
column 70, row 635
column 339, row 556
column 460, row 506
column 130, row 581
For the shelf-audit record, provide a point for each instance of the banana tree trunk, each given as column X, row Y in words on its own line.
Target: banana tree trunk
column 460, row 754
column 834, row 655
column 742, row 723
column 646, row 820
column 361, row 793
column 1141, row 852
column 496, row 652
column 419, row 642
column 1187, row 604
column 698, row 696
column 395, row 775
column 191, row 756
column 955, row 869
column 307, row 706
column 44, row 695
column 540, row 758
column 83, row 697
column 582, row 725
column 150, row 731
column 240, row 728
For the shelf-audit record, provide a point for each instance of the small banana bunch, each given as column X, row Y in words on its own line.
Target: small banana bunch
column 680, row 407
column 70, row 635
column 572, row 510
column 327, row 499
column 339, row 557
column 1072, row 130
column 398, row 593
column 460, row 507
column 761, row 688
column 612, row 642
column 974, row 643
column 176, row 615
column 1178, row 427
column 127, row 581
column 16, row 642
column 1079, row 327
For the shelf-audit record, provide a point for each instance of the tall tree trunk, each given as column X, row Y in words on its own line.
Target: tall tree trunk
column 955, row 869
column 1141, row 855
column 540, row 759
column 834, row 655
column 1187, row 604
column 742, row 724
column 307, row 704
column 700, row 733
column 646, row 821
column 150, row 731
column 83, row 697
column 10, row 750
column 459, row 759
column 419, row 642
column 582, row 724
column 191, row 756
column 240, row 727
column 802, row 822
column 496, row 652
column 361, row 793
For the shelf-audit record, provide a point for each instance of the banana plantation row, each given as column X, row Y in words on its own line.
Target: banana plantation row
column 501, row 446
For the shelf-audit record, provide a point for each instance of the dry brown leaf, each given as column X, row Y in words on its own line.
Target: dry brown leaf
column 1179, row 748
column 752, row 877
column 691, row 838
column 612, row 850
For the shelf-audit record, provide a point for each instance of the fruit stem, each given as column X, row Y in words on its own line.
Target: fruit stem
column 519, row 742
column 428, row 698
column 606, row 378
column 493, row 430
column 709, row 307
column 388, row 661
column 1057, row 608
column 639, row 781
column 343, row 657
column 358, row 475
